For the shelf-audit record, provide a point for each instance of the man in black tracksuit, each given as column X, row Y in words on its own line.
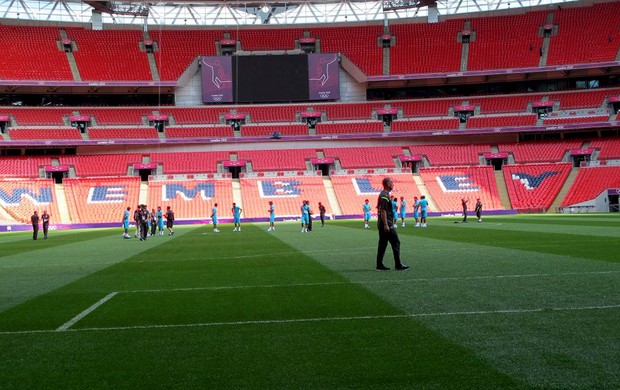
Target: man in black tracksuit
column 387, row 232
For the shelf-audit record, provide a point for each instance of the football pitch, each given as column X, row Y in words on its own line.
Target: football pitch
column 512, row 302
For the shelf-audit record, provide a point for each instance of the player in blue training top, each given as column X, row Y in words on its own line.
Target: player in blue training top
column 395, row 211
column 236, row 212
column 214, row 218
column 126, row 223
column 423, row 210
column 272, row 217
column 305, row 216
column 366, row 214
column 160, row 221
column 416, row 211
column 403, row 210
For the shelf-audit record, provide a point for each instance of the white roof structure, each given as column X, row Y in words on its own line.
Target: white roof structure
column 238, row 13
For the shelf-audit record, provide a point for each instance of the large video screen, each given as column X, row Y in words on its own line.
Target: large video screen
column 270, row 78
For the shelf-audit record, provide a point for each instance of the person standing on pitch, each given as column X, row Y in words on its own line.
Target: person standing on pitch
column 160, row 221
column 126, row 223
column 322, row 214
column 45, row 219
column 35, row 224
column 272, row 217
column 153, row 221
column 214, row 218
column 236, row 212
column 387, row 231
column 464, row 206
column 305, row 216
column 395, row 210
column 478, row 210
column 144, row 222
column 423, row 210
column 136, row 219
column 366, row 214
column 416, row 211
column 170, row 221
column 403, row 210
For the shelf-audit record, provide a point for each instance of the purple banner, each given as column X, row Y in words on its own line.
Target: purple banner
column 56, row 168
column 217, row 85
column 310, row 114
column 542, row 104
column 230, row 163
column 79, row 118
column 490, row 156
column 614, row 99
column 387, row 111
column 145, row 166
column 410, row 158
column 464, row 108
column 324, row 160
column 323, row 77
column 4, row 118
column 153, row 118
column 613, row 191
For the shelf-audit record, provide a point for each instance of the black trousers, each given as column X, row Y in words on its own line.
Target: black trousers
column 322, row 219
column 45, row 228
column 144, row 229
column 464, row 215
column 35, row 231
column 388, row 237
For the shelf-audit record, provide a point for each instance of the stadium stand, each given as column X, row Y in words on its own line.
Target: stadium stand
column 193, row 115
column 352, row 190
column 117, row 116
column 21, row 197
column 590, row 183
column 474, row 122
column 122, row 133
column 533, row 187
column 101, row 164
column 578, row 42
column 609, row 148
column 503, row 103
column 193, row 162
column 176, row 49
column 358, row 43
column 287, row 194
column 277, row 160
column 199, row 132
column 426, row 124
column 22, row 166
column 267, row 38
column 418, row 50
column 349, row 127
column 439, row 155
column 38, row 116
column 536, row 152
column 427, row 107
column 375, row 157
column 575, row 119
column 591, row 98
column 448, row 185
column 45, row 134
column 271, row 113
column 504, row 42
column 34, row 54
column 347, row 111
column 96, row 48
column 94, row 200
column 260, row 130
column 192, row 199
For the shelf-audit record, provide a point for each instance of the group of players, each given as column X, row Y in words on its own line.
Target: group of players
column 148, row 223
column 420, row 211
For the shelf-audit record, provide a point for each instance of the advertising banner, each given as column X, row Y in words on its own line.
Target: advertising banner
column 217, row 80
column 323, row 77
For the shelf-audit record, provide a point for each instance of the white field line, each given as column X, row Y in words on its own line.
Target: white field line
column 191, row 259
column 328, row 319
column 86, row 312
column 414, row 280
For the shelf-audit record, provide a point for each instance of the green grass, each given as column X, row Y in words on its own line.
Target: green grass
column 513, row 302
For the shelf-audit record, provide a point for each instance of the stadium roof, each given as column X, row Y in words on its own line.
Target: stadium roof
column 238, row 13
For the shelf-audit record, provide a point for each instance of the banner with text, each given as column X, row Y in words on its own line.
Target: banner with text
column 323, row 77
column 217, row 80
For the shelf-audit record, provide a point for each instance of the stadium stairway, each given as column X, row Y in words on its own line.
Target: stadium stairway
column 331, row 196
column 61, row 202
column 503, row 190
column 236, row 190
column 144, row 193
column 5, row 217
column 424, row 191
column 565, row 188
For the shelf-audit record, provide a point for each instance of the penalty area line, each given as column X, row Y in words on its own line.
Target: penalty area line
column 324, row 319
column 86, row 312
